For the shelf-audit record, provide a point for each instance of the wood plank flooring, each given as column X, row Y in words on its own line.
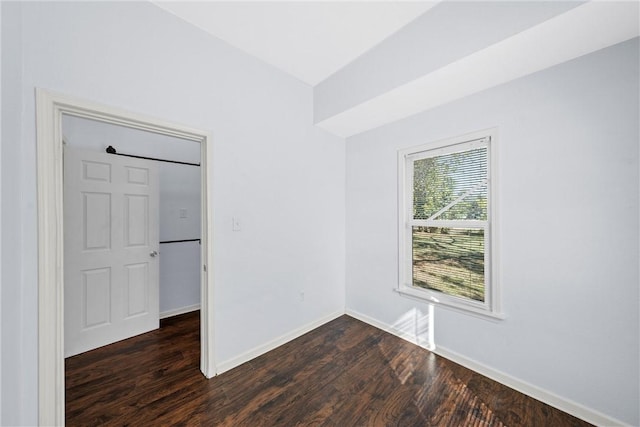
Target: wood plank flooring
column 345, row 373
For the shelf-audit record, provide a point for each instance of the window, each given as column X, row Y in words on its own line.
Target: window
column 447, row 227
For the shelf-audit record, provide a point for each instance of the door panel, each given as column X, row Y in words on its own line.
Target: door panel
column 96, row 217
column 97, row 295
column 136, row 217
column 111, row 242
column 96, row 171
column 137, row 289
column 137, row 176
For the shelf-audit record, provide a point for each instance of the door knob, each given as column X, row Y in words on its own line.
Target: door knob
column 153, row 254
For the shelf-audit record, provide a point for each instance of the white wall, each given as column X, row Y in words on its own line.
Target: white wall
column 179, row 189
column 569, row 211
column 13, row 319
column 569, row 147
column 0, row 215
column 272, row 168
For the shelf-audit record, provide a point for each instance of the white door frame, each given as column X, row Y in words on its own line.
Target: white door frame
column 49, row 110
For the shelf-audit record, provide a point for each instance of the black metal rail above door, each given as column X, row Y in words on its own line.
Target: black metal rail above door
column 112, row 150
column 180, row 241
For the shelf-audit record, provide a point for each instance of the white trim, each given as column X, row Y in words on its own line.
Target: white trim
column 49, row 110
column 207, row 329
column 566, row 405
column 470, row 308
column 277, row 342
column 50, row 273
column 179, row 311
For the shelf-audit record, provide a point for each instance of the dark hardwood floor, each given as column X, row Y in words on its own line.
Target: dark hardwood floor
column 345, row 373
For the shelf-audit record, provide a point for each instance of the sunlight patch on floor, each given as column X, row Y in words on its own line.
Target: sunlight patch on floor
column 417, row 326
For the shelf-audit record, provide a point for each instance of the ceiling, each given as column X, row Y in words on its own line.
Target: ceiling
column 320, row 41
column 309, row 40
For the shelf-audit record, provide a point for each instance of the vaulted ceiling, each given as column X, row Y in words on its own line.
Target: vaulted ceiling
column 372, row 63
column 309, row 40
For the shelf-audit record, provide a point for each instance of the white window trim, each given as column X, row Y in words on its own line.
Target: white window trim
column 491, row 307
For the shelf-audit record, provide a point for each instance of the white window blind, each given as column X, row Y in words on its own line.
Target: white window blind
column 446, row 223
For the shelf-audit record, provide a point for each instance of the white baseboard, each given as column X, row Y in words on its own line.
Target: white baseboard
column 551, row 399
column 178, row 311
column 566, row 405
column 283, row 339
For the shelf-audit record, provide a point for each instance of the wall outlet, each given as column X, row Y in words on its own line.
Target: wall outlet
column 183, row 213
column 235, row 224
column 301, row 295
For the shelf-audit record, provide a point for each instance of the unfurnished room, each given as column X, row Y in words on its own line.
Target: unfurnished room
column 365, row 213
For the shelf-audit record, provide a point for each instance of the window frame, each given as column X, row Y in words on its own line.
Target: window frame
column 491, row 307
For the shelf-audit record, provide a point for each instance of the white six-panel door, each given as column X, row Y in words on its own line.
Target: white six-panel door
column 110, row 249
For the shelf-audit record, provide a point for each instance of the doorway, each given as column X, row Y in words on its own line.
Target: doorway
column 119, row 286
column 50, row 109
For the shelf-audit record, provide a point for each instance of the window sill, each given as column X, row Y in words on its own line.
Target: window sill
column 415, row 294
